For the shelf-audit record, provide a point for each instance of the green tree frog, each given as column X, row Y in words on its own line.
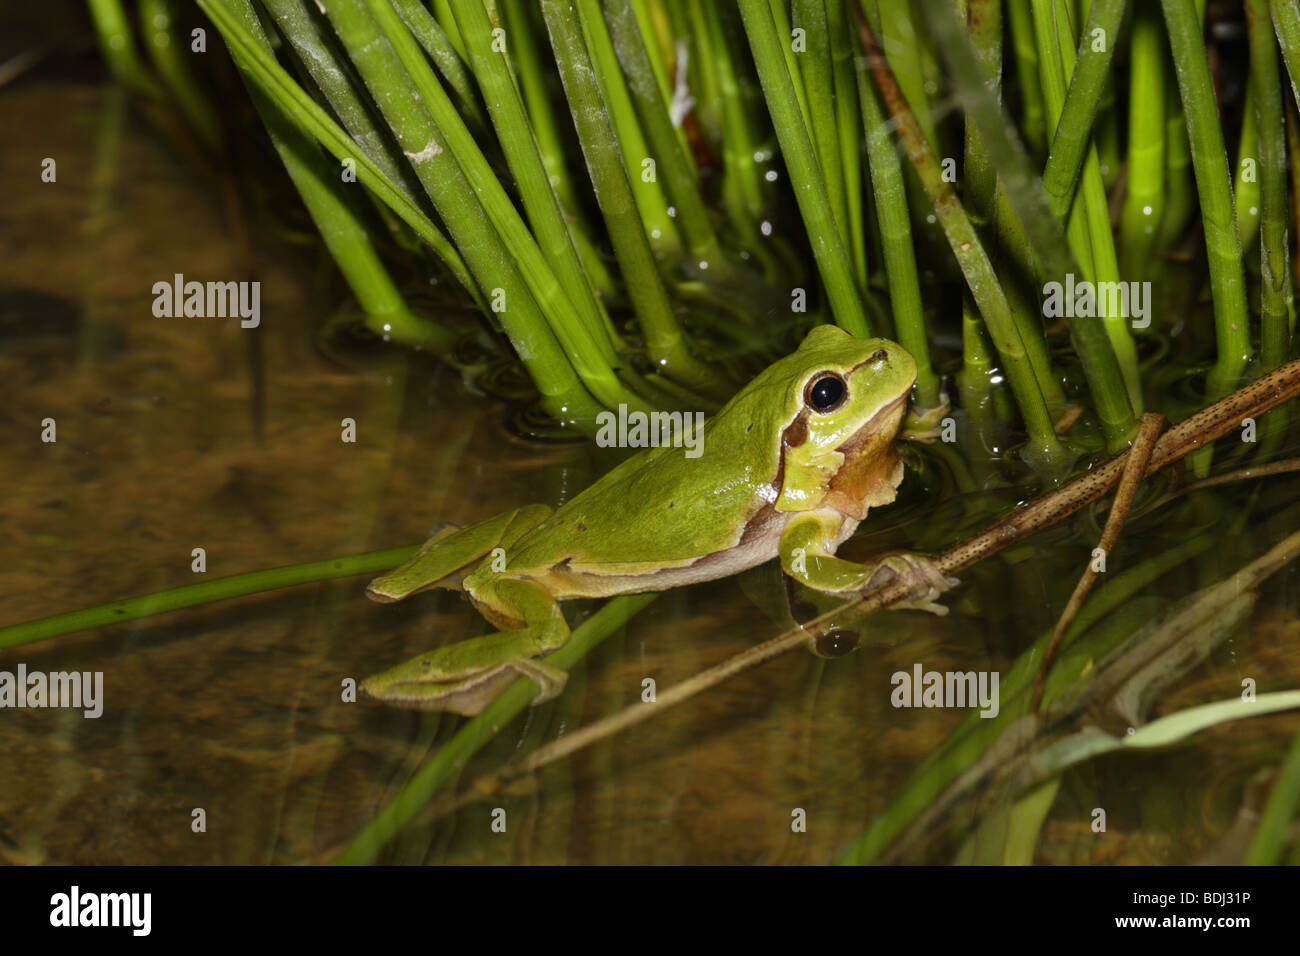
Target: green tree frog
column 789, row 468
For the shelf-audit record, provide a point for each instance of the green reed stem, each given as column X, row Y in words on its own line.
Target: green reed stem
column 117, row 46
column 1079, row 107
column 1286, row 22
column 849, row 132
column 980, row 192
column 805, row 175
column 1032, row 119
column 742, row 184
column 1106, row 134
column 1090, row 232
column 565, row 299
column 1245, row 187
column 169, row 49
column 206, row 592
column 442, row 13
column 900, row 41
column 819, row 85
column 1214, row 189
column 665, row 341
column 306, row 32
column 1275, row 274
column 1180, row 188
column 445, row 57
column 673, row 164
column 651, row 196
column 520, row 25
column 307, row 114
column 1144, row 196
column 698, row 24
column 554, row 241
column 345, row 234
column 1044, row 449
column 646, row 27
column 895, row 224
column 994, row 215
column 780, row 11
column 1025, row 193
column 434, row 151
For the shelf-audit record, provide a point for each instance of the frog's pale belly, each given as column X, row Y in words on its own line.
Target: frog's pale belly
column 760, row 542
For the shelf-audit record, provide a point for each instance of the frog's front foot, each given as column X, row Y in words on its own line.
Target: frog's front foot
column 925, row 582
column 926, row 425
column 426, row 683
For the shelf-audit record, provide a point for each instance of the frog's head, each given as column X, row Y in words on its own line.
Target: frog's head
column 846, row 404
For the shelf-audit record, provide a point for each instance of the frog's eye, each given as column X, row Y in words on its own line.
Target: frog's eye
column 825, row 392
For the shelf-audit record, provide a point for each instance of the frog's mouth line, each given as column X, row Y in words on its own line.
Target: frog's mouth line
column 854, row 443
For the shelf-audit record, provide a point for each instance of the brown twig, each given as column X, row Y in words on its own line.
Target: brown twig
column 1135, row 467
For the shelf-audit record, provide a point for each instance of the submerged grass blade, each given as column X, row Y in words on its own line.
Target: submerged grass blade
column 206, row 592
column 1278, row 819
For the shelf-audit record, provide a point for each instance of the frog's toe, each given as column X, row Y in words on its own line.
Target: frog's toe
column 421, row 684
column 924, row 581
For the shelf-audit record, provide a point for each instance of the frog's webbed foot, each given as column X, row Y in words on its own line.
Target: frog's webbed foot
column 924, row 581
column 926, row 425
column 418, row 684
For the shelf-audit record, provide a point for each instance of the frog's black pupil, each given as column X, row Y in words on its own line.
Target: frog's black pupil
column 826, row 393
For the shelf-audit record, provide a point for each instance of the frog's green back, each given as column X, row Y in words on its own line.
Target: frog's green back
column 661, row 507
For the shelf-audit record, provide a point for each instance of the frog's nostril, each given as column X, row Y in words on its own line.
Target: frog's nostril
column 880, row 356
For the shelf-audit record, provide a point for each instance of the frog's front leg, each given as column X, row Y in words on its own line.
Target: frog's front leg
column 807, row 555
column 466, row 676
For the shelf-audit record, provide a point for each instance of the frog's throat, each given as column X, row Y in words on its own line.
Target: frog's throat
column 869, row 470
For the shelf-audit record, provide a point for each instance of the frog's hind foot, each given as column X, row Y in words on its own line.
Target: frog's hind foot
column 467, row 696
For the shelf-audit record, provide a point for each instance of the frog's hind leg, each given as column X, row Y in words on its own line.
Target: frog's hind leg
column 446, row 558
column 464, row 677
